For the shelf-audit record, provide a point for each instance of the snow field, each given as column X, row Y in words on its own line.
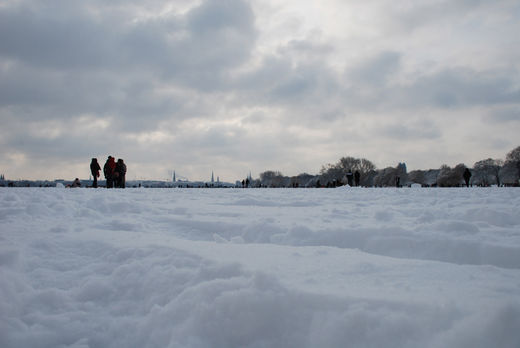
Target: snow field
column 259, row 268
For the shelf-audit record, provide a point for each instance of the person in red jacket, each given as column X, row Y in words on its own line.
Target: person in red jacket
column 109, row 170
column 94, row 170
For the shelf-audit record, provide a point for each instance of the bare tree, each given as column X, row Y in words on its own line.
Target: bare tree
column 513, row 158
column 417, row 176
column 449, row 177
column 386, row 177
column 271, row 178
column 331, row 172
column 336, row 172
column 510, row 171
column 303, row 180
column 514, row 155
column 487, row 171
column 509, row 174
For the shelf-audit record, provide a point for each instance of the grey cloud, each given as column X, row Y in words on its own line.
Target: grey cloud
column 64, row 60
column 423, row 14
column 374, row 71
column 221, row 15
column 367, row 85
column 307, row 46
column 133, row 102
column 68, row 92
column 411, row 130
column 506, row 114
column 463, row 87
column 52, row 38
column 68, row 145
column 214, row 36
column 311, row 50
column 370, row 86
column 278, row 82
column 197, row 49
column 33, row 95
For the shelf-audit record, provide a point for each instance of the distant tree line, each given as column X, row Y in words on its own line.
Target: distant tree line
column 485, row 172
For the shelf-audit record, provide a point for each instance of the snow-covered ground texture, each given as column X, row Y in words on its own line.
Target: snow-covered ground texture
column 260, row 267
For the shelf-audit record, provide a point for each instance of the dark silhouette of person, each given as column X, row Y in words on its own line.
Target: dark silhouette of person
column 467, row 176
column 109, row 170
column 398, row 181
column 350, row 178
column 357, row 177
column 94, row 170
column 120, row 173
column 76, row 183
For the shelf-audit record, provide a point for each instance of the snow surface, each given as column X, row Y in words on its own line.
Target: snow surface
column 259, row 267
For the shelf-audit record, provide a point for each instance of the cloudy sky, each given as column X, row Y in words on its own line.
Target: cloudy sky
column 233, row 86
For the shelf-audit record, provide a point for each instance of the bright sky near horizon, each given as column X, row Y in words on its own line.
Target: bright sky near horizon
column 233, row 86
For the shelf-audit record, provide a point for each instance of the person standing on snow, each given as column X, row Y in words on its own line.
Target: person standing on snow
column 350, row 177
column 94, row 170
column 467, row 176
column 120, row 173
column 109, row 170
column 357, row 177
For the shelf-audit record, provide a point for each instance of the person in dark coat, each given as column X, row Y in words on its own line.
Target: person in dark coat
column 357, row 177
column 467, row 176
column 120, row 173
column 350, row 178
column 76, row 183
column 94, row 170
column 109, row 170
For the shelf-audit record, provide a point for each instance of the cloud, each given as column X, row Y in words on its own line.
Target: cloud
column 76, row 62
column 411, row 130
column 375, row 71
column 464, row 87
column 506, row 114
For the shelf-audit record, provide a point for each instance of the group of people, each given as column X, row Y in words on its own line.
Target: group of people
column 115, row 172
column 353, row 179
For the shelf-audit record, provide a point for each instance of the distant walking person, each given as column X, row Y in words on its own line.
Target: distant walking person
column 120, row 173
column 357, row 177
column 109, row 170
column 467, row 176
column 94, row 170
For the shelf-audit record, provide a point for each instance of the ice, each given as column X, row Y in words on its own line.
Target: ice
column 259, row 267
